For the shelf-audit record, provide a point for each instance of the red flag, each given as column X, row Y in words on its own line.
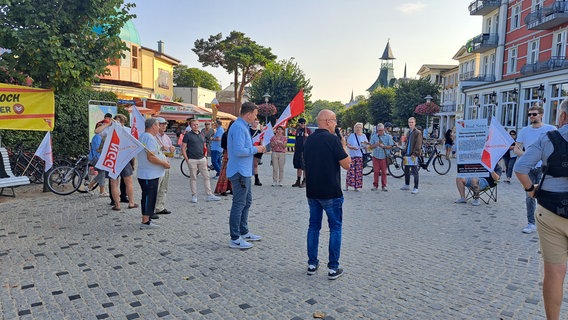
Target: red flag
column 136, row 122
column 293, row 109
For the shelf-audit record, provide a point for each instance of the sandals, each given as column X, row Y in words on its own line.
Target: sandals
column 115, row 208
column 134, row 206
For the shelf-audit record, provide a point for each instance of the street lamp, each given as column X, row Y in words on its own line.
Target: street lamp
column 475, row 105
column 493, row 100
column 540, row 92
column 514, row 94
column 428, row 101
column 266, row 96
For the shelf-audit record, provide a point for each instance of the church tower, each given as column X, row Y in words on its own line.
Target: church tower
column 386, row 75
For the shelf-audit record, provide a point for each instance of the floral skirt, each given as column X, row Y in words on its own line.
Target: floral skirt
column 223, row 183
column 355, row 173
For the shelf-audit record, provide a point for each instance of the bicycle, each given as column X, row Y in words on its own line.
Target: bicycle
column 23, row 162
column 395, row 165
column 440, row 162
column 64, row 180
column 183, row 167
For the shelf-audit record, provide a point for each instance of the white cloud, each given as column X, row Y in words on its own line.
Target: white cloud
column 410, row 8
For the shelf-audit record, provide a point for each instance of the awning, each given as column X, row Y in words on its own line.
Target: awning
column 174, row 116
column 142, row 110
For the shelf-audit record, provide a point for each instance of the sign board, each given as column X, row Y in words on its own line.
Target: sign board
column 470, row 141
column 26, row 108
column 97, row 111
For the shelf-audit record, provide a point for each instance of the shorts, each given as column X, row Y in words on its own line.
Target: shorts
column 298, row 160
column 448, row 146
column 553, row 235
column 127, row 171
column 482, row 183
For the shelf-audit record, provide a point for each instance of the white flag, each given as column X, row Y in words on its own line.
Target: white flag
column 136, row 122
column 119, row 148
column 267, row 134
column 497, row 143
column 45, row 152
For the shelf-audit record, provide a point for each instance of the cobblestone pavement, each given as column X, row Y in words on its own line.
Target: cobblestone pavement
column 405, row 257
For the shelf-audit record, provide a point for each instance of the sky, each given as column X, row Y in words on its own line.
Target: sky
column 336, row 43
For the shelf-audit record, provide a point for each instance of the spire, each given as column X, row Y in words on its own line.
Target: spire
column 387, row 54
column 404, row 77
column 351, row 96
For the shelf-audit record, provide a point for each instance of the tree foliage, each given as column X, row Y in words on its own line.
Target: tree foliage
column 380, row 105
column 62, row 44
column 237, row 54
column 193, row 77
column 317, row 106
column 282, row 81
column 357, row 113
column 409, row 94
column 69, row 136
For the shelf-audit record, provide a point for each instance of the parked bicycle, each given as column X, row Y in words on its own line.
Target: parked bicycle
column 394, row 164
column 23, row 162
column 185, row 169
column 65, row 179
column 439, row 161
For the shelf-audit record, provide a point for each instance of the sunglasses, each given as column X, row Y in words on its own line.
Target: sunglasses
column 533, row 114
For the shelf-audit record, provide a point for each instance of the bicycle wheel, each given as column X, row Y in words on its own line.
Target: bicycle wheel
column 368, row 167
column 442, row 164
column 87, row 179
column 396, row 168
column 63, row 180
column 184, row 168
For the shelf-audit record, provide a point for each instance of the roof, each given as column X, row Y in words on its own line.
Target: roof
column 387, row 54
column 130, row 33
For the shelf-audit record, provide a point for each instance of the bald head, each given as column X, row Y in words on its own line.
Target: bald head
column 326, row 119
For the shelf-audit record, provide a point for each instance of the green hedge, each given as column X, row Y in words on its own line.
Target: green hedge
column 70, row 135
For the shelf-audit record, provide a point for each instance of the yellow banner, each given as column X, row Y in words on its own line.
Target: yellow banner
column 25, row 108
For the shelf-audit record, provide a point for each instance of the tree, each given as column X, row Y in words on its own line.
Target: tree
column 237, row 54
column 62, row 44
column 380, row 105
column 317, row 106
column 282, row 81
column 193, row 77
column 357, row 113
column 409, row 94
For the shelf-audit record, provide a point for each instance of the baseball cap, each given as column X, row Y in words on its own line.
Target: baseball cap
column 301, row 120
column 108, row 115
column 161, row 120
column 388, row 124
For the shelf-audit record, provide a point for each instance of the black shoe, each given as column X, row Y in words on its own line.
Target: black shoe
column 257, row 183
column 155, row 217
column 312, row 269
column 165, row 211
column 334, row 274
column 124, row 200
column 112, row 203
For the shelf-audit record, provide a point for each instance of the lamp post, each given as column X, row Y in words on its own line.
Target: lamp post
column 266, row 97
column 540, row 91
column 475, row 103
column 428, row 101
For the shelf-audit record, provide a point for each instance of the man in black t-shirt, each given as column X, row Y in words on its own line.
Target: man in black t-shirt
column 324, row 154
column 302, row 133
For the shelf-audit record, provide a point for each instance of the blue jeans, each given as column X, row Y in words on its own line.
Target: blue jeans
column 216, row 160
column 535, row 175
column 510, row 164
column 334, row 210
column 242, row 199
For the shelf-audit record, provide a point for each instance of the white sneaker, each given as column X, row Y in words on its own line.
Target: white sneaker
column 213, row 197
column 406, row 187
column 530, row 228
column 240, row 244
column 460, row 200
column 374, row 189
column 475, row 202
column 194, row 199
column 150, row 225
column 251, row 237
column 414, row 191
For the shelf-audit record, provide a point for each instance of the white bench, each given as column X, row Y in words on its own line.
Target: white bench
column 11, row 181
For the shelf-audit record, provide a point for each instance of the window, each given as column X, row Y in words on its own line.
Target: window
column 488, row 25
column 512, row 61
column 532, row 55
column 559, row 45
column 485, row 65
column 516, row 17
column 125, row 61
column 134, row 57
column 537, row 5
column 492, row 64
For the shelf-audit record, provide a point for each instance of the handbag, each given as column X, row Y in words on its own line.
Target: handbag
column 366, row 155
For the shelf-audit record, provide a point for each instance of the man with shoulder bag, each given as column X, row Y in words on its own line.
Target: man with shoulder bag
column 552, row 209
column 381, row 143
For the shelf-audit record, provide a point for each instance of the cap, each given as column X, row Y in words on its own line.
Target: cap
column 161, row 120
column 388, row 124
column 301, row 120
column 108, row 115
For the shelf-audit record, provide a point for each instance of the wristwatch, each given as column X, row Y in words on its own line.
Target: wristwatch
column 530, row 189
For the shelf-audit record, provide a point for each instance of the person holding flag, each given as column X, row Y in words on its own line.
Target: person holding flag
column 152, row 164
column 278, row 147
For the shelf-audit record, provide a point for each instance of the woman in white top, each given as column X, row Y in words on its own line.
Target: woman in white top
column 356, row 143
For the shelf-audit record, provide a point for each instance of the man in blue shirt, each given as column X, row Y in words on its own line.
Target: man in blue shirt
column 216, row 149
column 241, row 151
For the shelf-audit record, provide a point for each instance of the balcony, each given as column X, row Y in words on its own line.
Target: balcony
column 483, row 7
column 548, row 17
column 542, row 66
column 448, row 108
column 483, row 78
column 466, row 75
column 482, row 43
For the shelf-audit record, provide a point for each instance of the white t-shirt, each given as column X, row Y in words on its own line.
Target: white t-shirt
column 530, row 135
column 146, row 169
column 352, row 140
